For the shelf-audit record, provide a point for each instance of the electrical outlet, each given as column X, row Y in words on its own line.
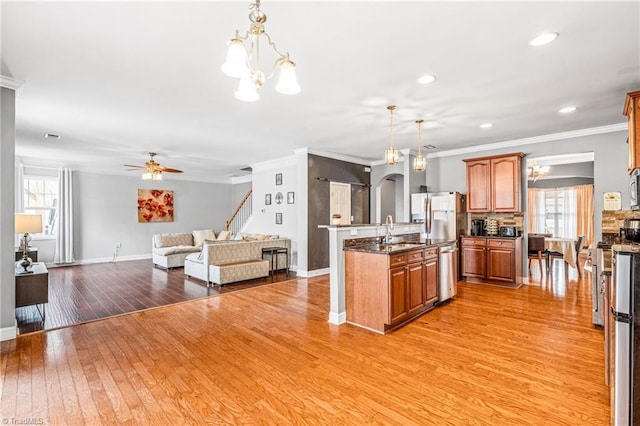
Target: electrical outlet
column 118, row 245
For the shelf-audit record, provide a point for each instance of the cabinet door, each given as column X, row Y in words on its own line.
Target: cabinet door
column 431, row 279
column 505, row 184
column 473, row 262
column 501, row 264
column 415, row 287
column 478, row 186
column 397, row 294
column 634, row 138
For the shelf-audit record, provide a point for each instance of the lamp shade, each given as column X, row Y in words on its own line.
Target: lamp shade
column 288, row 83
column 28, row 223
column 391, row 156
column 236, row 63
column 247, row 91
column 419, row 163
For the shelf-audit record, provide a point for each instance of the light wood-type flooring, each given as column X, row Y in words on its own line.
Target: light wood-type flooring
column 266, row 355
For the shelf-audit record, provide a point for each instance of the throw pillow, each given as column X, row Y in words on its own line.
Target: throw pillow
column 224, row 235
column 203, row 234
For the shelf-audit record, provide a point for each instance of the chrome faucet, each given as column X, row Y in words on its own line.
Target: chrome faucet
column 389, row 225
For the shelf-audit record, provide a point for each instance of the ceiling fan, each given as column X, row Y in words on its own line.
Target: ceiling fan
column 153, row 170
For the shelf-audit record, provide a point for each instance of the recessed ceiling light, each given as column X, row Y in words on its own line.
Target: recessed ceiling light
column 542, row 39
column 486, row 125
column 51, row 136
column 567, row 110
column 426, row 79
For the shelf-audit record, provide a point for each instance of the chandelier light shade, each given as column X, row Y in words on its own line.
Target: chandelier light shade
column 391, row 154
column 420, row 161
column 243, row 60
column 535, row 171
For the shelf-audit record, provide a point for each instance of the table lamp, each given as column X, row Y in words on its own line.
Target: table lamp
column 26, row 224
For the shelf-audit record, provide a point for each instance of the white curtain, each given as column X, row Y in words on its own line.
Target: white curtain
column 536, row 213
column 568, row 227
column 64, row 232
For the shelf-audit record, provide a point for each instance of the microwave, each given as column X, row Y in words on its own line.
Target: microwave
column 634, row 192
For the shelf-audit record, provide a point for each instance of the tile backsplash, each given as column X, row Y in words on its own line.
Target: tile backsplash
column 612, row 221
column 503, row 219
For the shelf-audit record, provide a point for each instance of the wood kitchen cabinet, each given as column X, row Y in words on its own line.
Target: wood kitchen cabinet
column 494, row 183
column 384, row 291
column 488, row 259
column 632, row 111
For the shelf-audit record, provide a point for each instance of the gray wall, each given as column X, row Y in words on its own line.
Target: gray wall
column 238, row 191
column 609, row 171
column 105, row 212
column 7, row 225
column 318, row 193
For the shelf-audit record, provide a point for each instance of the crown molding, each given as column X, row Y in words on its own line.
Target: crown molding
column 241, row 179
column 10, row 83
column 276, row 163
column 340, row 157
column 536, row 139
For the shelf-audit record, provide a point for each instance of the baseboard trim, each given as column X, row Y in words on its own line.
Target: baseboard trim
column 100, row 260
column 337, row 319
column 9, row 333
column 314, row 273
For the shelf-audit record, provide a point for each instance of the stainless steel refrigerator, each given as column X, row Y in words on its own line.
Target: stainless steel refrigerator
column 625, row 335
column 445, row 217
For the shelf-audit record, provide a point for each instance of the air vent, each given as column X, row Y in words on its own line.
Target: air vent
column 51, row 136
column 247, row 169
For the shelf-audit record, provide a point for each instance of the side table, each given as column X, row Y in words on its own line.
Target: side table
column 33, row 288
column 273, row 252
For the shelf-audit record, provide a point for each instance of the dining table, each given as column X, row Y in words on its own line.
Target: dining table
column 566, row 246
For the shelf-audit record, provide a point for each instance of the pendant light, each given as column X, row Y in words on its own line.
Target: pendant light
column 391, row 154
column 420, row 161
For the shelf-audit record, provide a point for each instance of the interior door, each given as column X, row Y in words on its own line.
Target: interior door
column 340, row 202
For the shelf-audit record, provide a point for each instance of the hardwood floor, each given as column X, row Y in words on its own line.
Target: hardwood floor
column 266, row 355
column 88, row 292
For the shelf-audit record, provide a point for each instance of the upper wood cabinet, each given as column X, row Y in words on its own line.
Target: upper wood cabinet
column 632, row 111
column 494, row 183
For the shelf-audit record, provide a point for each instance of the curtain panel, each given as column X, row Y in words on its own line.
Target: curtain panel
column 64, row 232
column 585, row 212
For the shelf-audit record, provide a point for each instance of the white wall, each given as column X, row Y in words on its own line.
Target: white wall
column 264, row 216
column 7, row 225
column 105, row 213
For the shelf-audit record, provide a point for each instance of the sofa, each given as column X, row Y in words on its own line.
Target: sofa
column 170, row 250
column 221, row 263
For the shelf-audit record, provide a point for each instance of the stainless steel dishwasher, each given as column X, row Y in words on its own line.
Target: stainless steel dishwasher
column 447, row 272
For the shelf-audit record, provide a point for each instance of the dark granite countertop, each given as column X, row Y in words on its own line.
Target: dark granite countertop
column 397, row 247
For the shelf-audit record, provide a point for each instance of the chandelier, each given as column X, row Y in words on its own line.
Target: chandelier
column 391, row 154
column 243, row 60
column 420, row 161
column 535, row 171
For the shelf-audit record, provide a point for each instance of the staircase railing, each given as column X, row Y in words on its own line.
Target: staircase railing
column 240, row 216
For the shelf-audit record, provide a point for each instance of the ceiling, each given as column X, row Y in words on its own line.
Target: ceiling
column 118, row 79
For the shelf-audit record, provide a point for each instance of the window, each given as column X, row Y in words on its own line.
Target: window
column 558, row 212
column 41, row 197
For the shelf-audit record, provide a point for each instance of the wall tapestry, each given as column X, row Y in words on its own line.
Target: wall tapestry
column 155, row 205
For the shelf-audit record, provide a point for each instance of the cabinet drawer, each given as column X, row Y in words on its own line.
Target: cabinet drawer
column 397, row 259
column 495, row 243
column 430, row 253
column 414, row 256
column 474, row 242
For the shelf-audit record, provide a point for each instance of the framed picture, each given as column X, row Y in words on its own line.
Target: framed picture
column 155, row 205
column 278, row 178
column 291, row 197
column 278, row 218
column 267, row 199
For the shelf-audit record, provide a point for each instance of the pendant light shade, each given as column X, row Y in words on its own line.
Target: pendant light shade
column 288, row 84
column 247, row 91
column 391, row 154
column 420, row 161
column 236, row 63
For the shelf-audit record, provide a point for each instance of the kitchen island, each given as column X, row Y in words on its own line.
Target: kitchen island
column 388, row 285
column 337, row 236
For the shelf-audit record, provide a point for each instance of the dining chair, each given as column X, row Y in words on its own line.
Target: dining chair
column 536, row 249
column 551, row 255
